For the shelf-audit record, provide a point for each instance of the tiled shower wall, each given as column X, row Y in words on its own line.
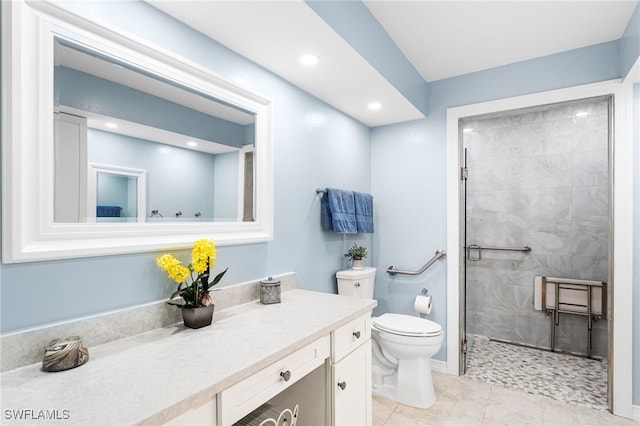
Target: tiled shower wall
column 537, row 178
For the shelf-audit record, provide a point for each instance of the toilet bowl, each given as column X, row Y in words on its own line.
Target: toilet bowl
column 402, row 346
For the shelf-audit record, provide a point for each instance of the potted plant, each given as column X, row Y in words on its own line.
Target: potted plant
column 196, row 305
column 356, row 254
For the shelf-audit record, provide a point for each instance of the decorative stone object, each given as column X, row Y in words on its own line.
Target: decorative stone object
column 270, row 291
column 64, row 354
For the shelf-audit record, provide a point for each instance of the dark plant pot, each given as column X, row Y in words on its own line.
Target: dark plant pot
column 197, row 317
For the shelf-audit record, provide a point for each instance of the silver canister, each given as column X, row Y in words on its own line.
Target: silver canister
column 270, row 291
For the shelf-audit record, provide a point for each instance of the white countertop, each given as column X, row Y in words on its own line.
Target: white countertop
column 152, row 377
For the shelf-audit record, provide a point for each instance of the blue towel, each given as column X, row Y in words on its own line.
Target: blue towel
column 364, row 212
column 108, row 211
column 342, row 210
column 325, row 213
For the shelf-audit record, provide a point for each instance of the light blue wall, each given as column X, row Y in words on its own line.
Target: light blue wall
column 314, row 146
column 171, row 172
column 89, row 93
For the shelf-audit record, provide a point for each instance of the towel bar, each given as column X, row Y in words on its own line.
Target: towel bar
column 321, row 190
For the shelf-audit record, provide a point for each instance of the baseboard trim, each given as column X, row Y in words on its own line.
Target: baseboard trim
column 439, row 366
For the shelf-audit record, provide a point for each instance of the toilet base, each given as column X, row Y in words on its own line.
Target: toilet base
column 411, row 384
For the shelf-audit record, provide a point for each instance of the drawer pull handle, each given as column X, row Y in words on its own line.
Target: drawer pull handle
column 342, row 385
column 286, row 375
column 357, row 285
column 356, row 334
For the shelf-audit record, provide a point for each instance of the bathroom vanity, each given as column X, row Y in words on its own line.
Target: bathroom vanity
column 313, row 349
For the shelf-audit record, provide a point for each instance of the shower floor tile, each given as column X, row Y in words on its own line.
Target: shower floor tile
column 567, row 378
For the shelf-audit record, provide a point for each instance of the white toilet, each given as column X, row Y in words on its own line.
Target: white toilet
column 402, row 346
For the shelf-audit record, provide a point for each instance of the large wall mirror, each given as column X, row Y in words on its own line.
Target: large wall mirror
column 114, row 146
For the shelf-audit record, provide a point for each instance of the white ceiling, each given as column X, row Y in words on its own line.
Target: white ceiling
column 440, row 38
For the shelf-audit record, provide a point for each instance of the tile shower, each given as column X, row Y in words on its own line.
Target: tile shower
column 538, row 178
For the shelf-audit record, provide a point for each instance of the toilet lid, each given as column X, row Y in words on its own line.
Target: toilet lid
column 406, row 325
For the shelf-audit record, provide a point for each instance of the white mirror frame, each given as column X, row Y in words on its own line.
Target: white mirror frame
column 28, row 230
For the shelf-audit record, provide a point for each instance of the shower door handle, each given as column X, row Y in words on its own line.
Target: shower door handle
column 474, row 247
column 525, row 249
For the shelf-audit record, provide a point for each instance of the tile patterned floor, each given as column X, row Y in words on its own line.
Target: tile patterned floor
column 563, row 377
column 462, row 401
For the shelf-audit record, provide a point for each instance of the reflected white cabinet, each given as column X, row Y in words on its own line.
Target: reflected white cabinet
column 70, row 164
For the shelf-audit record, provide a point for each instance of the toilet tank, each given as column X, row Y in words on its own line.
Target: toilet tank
column 356, row 282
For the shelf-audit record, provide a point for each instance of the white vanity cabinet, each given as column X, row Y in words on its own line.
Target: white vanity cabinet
column 337, row 365
column 351, row 373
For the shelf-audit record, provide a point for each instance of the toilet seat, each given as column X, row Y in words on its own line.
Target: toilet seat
column 406, row 325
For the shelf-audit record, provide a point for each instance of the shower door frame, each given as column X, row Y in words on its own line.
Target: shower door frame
column 621, row 171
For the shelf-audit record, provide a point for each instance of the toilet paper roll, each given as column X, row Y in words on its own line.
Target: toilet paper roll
column 423, row 304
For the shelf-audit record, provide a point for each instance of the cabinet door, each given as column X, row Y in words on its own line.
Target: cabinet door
column 352, row 388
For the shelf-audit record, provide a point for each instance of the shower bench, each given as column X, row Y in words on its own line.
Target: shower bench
column 571, row 296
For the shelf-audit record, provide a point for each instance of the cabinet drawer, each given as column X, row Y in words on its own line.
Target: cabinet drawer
column 348, row 337
column 245, row 396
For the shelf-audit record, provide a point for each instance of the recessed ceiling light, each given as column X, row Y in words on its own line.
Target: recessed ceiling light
column 374, row 106
column 192, row 144
column 309, row 60
column 111, row 125
column 582, row 114
column 467, row 129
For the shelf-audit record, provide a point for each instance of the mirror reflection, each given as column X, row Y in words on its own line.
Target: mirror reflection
column 132, row 147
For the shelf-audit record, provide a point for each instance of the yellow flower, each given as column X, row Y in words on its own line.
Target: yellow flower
column 173, row 268
column 203, row 255
column 195, row 293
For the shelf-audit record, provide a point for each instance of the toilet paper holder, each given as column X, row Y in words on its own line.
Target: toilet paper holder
column 422, row 302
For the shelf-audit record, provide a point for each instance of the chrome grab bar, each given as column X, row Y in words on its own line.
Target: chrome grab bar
column 470, row 247
column 439, row 254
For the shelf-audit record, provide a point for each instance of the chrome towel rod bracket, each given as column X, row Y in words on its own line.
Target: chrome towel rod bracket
column 439, row 255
